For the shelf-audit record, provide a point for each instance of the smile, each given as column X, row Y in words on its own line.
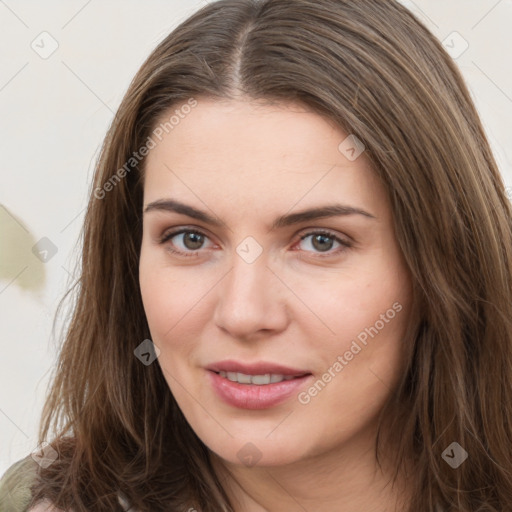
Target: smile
column 260, row 391
column 258, row 380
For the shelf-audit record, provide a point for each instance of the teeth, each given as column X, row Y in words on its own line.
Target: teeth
column 243, row 379
column 259, row 380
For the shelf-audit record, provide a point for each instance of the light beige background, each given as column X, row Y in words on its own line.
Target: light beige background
column 54, row 112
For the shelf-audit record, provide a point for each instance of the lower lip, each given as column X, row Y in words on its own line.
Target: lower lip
column 252, row 396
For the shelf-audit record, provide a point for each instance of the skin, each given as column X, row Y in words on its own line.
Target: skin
column 45, row 506
column 297, row 304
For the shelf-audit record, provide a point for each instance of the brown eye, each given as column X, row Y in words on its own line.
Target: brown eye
column 185, row 242
column 323, row 242
column 193, row 241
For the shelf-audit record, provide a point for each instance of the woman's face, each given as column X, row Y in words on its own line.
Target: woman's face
column 268, row 250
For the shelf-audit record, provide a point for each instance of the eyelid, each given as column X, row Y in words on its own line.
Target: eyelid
column 167, row 235
column 325, row 231
column 345, row 243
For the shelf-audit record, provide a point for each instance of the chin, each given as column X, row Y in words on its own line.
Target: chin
column 251, row 451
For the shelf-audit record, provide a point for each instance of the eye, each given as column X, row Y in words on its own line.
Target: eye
column 323, row 241
column 190, row 241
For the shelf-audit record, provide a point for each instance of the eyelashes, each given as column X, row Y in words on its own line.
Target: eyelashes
column 173, row 234
column 320, row 234
column 343, row 244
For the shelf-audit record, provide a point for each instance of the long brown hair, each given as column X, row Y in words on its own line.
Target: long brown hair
column 371, row 67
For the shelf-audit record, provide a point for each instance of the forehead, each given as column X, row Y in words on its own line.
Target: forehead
column 248, row 131
column 242, row 151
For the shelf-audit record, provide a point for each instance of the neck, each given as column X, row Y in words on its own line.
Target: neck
column 345, row 479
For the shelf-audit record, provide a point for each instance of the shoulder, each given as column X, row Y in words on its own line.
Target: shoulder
column 16, row 490
column 16, row 485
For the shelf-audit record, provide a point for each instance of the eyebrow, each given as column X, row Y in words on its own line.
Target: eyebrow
column 334, row 210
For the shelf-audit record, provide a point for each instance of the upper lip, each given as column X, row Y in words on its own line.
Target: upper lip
column 257, row 368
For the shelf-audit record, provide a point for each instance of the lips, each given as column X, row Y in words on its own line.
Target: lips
column 258, row 368
column 253, row 393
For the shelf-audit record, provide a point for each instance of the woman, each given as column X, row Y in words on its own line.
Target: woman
column 296, row 287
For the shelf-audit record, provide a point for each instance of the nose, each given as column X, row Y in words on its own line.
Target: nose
column 251, row 300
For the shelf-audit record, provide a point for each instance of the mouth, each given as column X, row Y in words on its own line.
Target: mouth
column 257, row 380
column 258, row 386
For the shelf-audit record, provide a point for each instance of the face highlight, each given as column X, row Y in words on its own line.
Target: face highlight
column 265, row 245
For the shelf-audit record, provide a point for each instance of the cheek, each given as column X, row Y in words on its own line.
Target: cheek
column 163, row 296
column 347, row 303
column 159, row 287
column 174, row 303
column 364, row 315
column 366, row 336
column 361, row 363
column 156, row 298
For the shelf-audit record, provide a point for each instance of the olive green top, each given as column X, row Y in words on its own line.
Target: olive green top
column 15, row 485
